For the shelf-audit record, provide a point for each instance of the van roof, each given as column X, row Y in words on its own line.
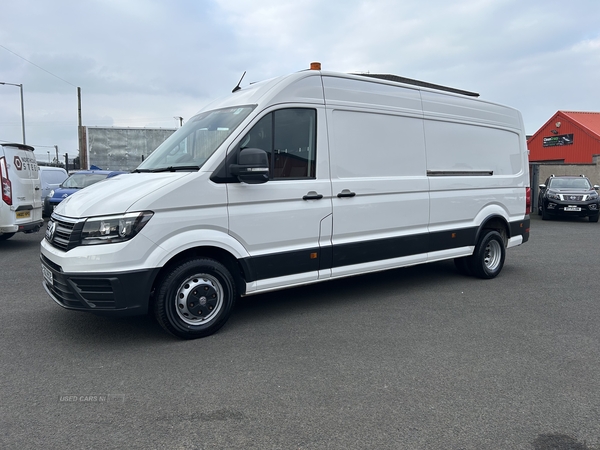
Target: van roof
column 19, row 146
column 420, row 83
column 274, row 90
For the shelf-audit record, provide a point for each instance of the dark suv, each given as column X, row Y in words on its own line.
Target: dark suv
column 569, row 196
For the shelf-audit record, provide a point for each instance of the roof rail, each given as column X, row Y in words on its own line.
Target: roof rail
column 425, row 84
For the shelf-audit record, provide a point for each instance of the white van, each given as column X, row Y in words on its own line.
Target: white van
column 51, row 177
column 303, row 178
column 21, row 204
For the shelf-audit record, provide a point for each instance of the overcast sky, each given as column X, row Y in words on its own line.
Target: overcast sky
column 140, row 63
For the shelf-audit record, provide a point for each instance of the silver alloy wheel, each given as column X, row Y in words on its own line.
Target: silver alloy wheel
column 199, row 299
column 493, row 255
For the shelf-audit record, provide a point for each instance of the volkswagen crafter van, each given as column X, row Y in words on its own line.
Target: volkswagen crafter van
column 304, row 178
column 21, row 204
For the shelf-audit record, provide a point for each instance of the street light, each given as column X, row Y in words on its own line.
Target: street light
column 22, row 110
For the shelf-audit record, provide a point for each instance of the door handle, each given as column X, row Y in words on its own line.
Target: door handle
column 346, row 193
column 312, row 195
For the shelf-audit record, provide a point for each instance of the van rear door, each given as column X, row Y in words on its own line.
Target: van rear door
column 21, row 187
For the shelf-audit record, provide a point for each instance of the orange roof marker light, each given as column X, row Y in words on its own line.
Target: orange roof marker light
column 315, row 66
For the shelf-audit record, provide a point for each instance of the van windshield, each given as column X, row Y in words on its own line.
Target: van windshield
column 190, row 146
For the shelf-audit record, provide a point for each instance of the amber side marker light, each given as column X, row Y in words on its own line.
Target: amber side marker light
column 315, row 66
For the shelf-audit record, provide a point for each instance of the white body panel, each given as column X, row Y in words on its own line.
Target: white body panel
column 378, row 156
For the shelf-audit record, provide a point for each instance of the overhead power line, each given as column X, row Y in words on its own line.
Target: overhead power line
column 41, row 68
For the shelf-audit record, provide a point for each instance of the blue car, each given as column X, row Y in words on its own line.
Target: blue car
column 73, row 183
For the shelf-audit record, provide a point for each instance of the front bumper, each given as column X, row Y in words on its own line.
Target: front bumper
column 573, row 209
column 110, row 294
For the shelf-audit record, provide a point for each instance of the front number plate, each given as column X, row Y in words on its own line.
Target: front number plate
column 48, row 275
column 23, row 214
column 572, row 208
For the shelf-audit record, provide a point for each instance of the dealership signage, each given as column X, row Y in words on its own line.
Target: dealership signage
column 562, row 139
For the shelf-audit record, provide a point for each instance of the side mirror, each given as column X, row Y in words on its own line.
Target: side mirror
column 252, row 166
column 596, row 187
column 542, row 186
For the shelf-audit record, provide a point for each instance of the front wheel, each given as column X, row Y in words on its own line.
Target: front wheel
column 545, row 215
column 195, row 298
column 594, row 218
column 488, row 258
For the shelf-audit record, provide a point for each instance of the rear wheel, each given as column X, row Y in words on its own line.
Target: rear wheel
column 195, row 298
column 5, row 236
column 488, row 258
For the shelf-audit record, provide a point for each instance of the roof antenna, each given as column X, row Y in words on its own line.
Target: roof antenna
column 237, row 88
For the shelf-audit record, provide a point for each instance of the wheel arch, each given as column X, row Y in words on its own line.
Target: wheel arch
column 495, row 222
column 238, row 270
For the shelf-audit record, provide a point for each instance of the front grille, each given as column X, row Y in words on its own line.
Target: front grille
column 573, row 198
column 64, row 233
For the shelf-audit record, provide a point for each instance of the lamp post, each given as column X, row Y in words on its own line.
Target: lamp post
column 22, row 110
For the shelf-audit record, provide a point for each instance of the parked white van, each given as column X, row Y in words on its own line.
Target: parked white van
column 51, row 177
column 21, row 204
column 299, row 179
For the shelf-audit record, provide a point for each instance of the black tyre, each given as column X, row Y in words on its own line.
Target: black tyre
column 539, row 210
column 195, row 298
column 545, row 215
column 5, row 236
column 488, row 258
column 594, row 218
column 462, row 265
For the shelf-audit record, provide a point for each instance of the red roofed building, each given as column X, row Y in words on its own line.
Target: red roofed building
column 568, row 137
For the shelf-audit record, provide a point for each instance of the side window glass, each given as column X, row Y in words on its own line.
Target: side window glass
column 294, row 143
column 289, row 138
column 260, row 136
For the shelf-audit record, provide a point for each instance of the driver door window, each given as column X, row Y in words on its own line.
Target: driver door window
column 289, row 138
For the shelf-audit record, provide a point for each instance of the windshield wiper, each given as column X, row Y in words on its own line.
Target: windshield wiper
column 141, row 170
column 175, row 168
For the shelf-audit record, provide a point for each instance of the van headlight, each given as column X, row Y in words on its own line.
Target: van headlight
column 112, row 229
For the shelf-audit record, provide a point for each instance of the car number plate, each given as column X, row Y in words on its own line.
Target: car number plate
column 23, row 214
column 572, row 208
column 48, row 275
